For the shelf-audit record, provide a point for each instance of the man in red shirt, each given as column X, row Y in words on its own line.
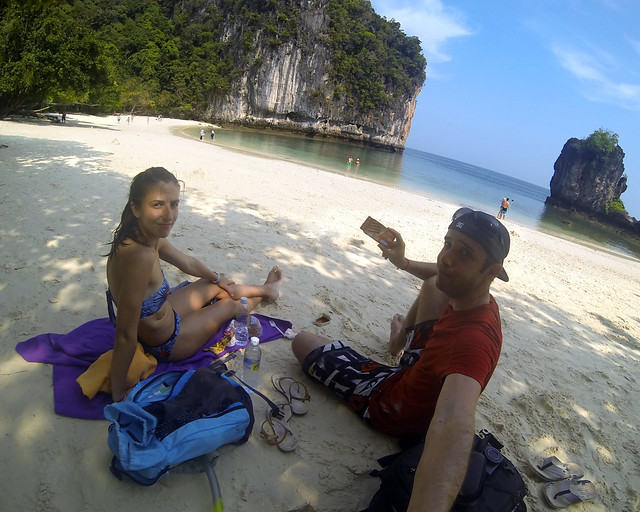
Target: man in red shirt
column 451, row 339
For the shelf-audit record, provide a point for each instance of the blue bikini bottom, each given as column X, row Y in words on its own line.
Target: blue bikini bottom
column 162, row 352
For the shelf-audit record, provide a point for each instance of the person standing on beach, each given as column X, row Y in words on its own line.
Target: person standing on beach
column 504, row 206
column 213, row 134
column 170, row 325
column 202, row 132
column 451, row 338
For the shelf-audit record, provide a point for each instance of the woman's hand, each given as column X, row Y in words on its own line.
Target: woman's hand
column 394, row 252
column 225, row 282
column 119, row 396
column 229, row 286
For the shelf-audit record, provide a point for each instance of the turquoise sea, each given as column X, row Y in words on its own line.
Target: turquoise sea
column 433, row 176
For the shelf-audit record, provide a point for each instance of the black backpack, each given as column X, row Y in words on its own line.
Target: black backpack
column 492, row 482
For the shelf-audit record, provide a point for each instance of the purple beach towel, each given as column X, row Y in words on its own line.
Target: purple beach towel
column 71, row 354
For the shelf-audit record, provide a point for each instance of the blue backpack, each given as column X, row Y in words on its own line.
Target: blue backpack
column 174, row 417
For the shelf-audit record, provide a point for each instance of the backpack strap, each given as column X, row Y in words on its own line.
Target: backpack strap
column 473, row 480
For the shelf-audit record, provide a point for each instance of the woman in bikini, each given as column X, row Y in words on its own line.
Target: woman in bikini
column 170, row 326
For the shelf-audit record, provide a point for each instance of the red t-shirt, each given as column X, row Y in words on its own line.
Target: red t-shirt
column 465, row 342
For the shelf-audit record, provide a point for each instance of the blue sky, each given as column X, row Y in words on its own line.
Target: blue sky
column 510, row 81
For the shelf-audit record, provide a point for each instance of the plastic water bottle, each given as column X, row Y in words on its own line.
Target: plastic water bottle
column 242, row 329
column 255, row 329
column 251, row 363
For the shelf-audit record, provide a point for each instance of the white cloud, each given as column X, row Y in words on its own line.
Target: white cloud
column 433, row 23
column 578, row 63
column 628, row 92
column 598, row 77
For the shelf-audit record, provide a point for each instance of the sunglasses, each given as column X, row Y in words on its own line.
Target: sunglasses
column 490, row 226
column 480, row 217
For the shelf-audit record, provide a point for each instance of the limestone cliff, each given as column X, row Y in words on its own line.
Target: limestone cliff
column 291, row 83
column 589, row 181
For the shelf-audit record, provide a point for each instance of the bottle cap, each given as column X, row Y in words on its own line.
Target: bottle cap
column 244, row 300
column 255, row 340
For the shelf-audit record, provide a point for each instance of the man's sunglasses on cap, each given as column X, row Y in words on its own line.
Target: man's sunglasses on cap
column 487, row 231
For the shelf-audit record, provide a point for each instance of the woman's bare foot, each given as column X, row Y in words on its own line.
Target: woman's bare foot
column 272, row 285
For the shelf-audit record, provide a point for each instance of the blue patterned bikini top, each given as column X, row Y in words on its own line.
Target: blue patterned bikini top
column 150, row 305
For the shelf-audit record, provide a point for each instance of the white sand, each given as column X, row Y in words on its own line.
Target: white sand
column 567, row 382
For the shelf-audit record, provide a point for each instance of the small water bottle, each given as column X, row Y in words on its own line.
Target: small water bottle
column 251, row 363
column 242, row 329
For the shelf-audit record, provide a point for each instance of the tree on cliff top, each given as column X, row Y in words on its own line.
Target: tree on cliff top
column 602, row 141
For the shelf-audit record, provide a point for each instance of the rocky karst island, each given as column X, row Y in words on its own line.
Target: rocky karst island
column 589, row 179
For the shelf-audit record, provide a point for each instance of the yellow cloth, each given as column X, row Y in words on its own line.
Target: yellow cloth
column 98, row 375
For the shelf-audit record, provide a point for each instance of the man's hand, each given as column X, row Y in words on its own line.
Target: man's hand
column 394, row 252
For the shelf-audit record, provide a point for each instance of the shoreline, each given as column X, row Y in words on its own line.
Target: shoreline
column 181, row 131
column 630, row 249
column 565, row 383
column 631, row 239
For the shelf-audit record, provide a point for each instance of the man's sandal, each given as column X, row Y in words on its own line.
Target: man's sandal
column 569, row 492
column 553, row 469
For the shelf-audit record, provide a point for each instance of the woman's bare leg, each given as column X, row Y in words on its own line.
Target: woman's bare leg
column 268, row 292
column 195, row 296
column 198, row 327
column 199, row 323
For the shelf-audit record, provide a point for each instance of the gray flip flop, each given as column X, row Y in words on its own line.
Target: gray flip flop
column 553, row 469
column 569, row 492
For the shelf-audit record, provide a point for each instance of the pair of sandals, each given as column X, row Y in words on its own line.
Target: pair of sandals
column 277, row 431
column 565, row 486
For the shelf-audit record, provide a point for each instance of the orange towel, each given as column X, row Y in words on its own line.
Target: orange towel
column 98, row 375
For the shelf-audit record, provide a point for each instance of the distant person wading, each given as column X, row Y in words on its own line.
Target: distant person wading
column 504, row 206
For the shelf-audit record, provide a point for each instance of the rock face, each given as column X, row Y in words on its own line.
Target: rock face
column 587, row 181
column 288, row 86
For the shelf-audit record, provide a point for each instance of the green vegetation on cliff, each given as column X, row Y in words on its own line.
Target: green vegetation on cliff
column 169, row 56
column 45, row 54
column 602, row 141
column 373, row 58
column 616, row 206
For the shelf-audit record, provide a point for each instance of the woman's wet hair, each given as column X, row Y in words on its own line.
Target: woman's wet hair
column 140, row 186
